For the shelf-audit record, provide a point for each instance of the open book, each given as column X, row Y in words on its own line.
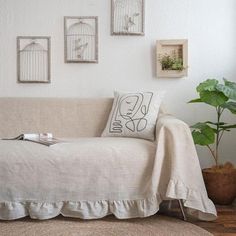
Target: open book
column 41, row 138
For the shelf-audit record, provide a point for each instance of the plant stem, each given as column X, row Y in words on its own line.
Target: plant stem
column 218, row 137
column 222, row 132
column 212, row 153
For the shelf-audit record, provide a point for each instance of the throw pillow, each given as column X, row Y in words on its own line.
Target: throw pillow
column 134, row 115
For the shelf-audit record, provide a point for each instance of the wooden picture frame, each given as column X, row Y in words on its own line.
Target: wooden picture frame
column 128, row 17
column 33, row 59
column 172, row 49
column 81, row 39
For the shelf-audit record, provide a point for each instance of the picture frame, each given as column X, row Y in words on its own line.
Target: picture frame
column 33, row 59
column 81, row 39
column 128, row 17
column 172, row 58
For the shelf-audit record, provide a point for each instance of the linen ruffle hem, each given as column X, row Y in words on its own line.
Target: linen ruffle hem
column 197, row 204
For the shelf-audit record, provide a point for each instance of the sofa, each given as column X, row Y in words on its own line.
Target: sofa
column 88, row 176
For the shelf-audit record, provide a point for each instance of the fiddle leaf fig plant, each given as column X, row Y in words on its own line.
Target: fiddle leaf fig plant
column 221, row 97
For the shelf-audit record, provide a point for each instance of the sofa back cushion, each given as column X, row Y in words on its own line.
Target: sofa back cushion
column 64, row 117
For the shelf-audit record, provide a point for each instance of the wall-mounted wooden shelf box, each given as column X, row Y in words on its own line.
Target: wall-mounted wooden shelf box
column 173, row 49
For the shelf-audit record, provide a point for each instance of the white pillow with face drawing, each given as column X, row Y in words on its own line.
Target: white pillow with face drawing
column 134, row 115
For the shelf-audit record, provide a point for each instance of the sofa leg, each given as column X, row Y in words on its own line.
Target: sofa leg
column 181, row 206
column 169, row 205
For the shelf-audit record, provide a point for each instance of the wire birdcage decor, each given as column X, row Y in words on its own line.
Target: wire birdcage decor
column 33, row 59
column 81, row 39
column 127, row 17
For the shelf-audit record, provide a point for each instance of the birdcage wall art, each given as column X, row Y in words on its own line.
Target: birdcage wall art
column 81, row 39
column 127, row 17
column 33, row 59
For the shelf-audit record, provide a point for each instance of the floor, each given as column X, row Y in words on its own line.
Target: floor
column 225, row 225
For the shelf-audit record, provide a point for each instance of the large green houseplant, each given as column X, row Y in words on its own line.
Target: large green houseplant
column 220, row 179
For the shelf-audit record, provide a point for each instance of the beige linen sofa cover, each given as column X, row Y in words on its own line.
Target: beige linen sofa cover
column 135, row 175
column 64, row 117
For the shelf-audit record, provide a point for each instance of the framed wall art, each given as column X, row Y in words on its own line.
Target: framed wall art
column 172, row 58
column 127, row 17
column 81, row 39
column 33, row 59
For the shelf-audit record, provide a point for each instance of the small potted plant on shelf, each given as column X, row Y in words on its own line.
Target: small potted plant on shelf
column 171, row 62
column 220, row 179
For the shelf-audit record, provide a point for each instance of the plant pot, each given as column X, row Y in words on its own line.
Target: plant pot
column 221, row 186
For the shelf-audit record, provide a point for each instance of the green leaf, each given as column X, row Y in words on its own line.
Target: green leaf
column 230, row 106
column 229, row 89
column 195, row 100
column 203, row 134
column 213, row 98
column 215, row 123
column 208, row 85
column 200, row 125
column 229, row 83
column 228, row 127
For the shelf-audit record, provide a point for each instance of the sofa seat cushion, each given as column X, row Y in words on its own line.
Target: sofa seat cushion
column 81, row 169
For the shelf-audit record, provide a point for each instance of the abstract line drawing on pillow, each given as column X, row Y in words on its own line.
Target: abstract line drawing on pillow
column 130, row 112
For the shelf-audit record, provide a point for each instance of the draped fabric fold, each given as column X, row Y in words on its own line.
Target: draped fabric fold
column 178, row 169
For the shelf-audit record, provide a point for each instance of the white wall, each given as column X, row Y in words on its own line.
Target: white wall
column 127, row 63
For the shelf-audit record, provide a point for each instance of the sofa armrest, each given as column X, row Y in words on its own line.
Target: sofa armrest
column 170, row 122
column 175, row 143
column 178, row 168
